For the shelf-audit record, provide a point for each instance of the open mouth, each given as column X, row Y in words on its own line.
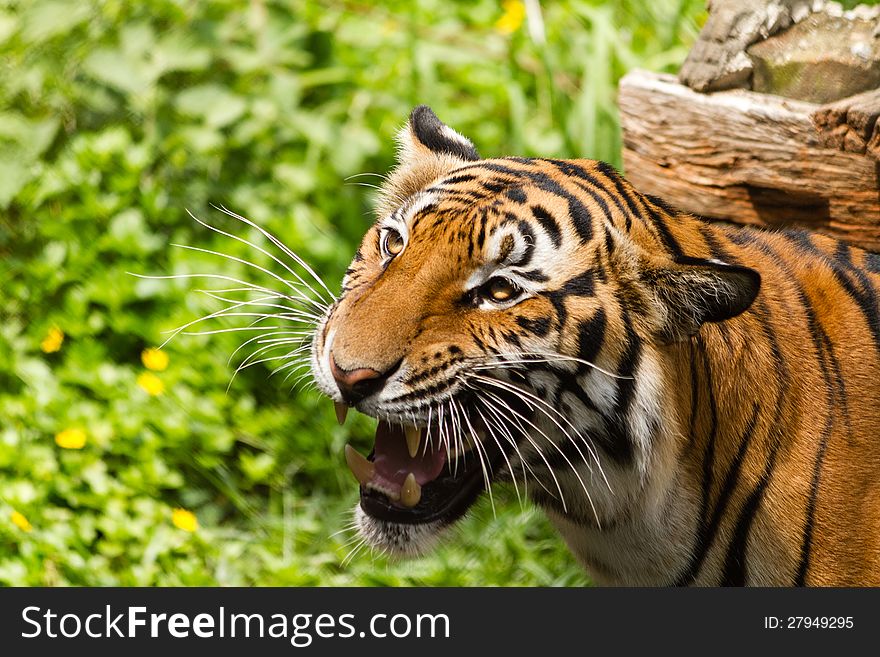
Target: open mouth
column 411, row 478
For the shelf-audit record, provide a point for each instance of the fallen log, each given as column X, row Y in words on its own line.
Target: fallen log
column 754, row 158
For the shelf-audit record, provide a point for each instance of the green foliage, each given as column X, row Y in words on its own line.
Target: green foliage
column 117, row 117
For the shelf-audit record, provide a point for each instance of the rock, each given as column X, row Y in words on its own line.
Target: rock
column 718, row 61
column 821, row 59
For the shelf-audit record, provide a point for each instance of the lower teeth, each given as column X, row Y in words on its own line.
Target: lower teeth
column 410, row 492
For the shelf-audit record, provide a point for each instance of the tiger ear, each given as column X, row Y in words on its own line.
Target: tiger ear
column 427, row 150
column 424, row 135
column 693, row 291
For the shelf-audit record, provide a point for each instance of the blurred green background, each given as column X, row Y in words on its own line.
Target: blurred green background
column 124, row 468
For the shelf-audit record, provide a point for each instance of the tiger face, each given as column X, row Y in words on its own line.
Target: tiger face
column 507, row 319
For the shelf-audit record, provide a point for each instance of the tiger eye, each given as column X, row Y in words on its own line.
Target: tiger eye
column 501, row 289
column 392, row 243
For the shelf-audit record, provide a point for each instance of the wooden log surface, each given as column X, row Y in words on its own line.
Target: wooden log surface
column 745, row 157
column 851, row 124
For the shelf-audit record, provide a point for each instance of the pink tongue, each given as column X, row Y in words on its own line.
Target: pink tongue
column 393, row 462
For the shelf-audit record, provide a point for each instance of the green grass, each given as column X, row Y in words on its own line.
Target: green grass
column 116, row 118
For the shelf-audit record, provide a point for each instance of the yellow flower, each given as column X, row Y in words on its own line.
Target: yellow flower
column 21, row 522
column 154, row 359
column 52, row 342
column 512, row 18
column 151, row 383
column 71, row 439
column 185, row 520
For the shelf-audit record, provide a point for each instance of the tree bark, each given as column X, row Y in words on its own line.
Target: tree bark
column 851, row 124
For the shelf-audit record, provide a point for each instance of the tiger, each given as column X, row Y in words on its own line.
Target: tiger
column 689, row 402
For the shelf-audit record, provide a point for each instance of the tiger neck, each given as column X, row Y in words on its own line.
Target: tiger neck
column 640, row 528
column 690, row 403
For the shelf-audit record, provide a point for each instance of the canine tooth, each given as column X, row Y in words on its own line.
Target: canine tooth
column 413, row 435
column 341, row 411
column 410, row 492
column 360, row 467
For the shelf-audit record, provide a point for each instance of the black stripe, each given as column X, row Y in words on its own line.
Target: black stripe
column 515, row 194
column 616, row 442
column 535, row 275
column 479, row 343
column 709, row 454
column 663, row 205
column 843, row 254
column 614, row 176
column 569, row 384
column 548, row 223
column 581, row 219
column 865, row 298
column 558, row 301
column 466, row 197
column 695, row 395
column 481, row 233
column 529, row 238
column 708, row 458
column 423, row 212
column 582, row 285
column 591, row 335
column 659, row 222
column 493, row 337
column 627, row 368
column 460, row 178
column 612, row 437
column 564, row 456
column 621, row 447
column 573, row 170
column 735, row 569
column 872, row 262
column 834, row 382
column 609, row 241
column 715, row 249
column 707, row 531
column 512, row 338
column 580, row 216
column 807, row 541
column 834, row 391
column 736, row 563
column 539, row 326
column 493, row 186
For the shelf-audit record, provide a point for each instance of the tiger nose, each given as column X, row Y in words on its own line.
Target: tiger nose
column 357, row 384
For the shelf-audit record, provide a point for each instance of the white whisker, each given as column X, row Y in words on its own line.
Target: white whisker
column 544, row 407
column 522, row 358
column 295, row 288
column 534, row 445
column 302, row 263
column 485, row 466
column 263, row 251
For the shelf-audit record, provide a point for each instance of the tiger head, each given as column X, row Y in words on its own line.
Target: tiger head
column 507, row 319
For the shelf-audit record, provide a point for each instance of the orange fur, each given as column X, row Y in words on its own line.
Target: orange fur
column 768, row 456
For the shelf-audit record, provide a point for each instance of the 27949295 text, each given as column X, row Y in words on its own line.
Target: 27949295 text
column 808, row 622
